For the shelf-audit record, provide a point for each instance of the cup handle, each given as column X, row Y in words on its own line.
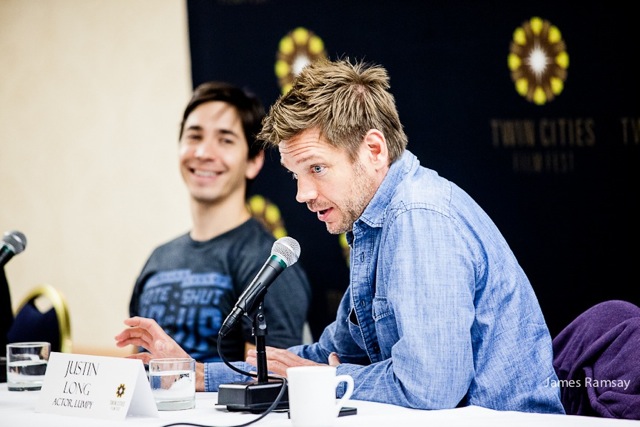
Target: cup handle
column 347, row 393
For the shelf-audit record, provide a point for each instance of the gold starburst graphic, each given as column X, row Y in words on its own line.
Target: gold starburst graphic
column 120, row 390
column 268, row 214
column 297, row 49
column 538, row 61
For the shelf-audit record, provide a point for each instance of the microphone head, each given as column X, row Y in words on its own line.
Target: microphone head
column 287, row 248
column 15, row 240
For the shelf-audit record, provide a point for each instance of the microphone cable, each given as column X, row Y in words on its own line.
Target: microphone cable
column 249, row 374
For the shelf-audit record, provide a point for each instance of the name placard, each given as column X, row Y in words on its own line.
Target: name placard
column 96, row 387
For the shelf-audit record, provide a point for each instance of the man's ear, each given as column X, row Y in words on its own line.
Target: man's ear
column 376, row 146
column 254, row 165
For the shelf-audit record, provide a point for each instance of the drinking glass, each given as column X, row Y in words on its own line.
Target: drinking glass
column 173, row 383
column 26, row 365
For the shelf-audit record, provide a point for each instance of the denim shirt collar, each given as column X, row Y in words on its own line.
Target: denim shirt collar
column 373, row 214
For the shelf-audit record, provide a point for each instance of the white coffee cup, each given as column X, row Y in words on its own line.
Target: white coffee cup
column 312, row 395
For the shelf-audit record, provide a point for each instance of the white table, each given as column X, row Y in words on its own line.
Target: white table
column 18, row 409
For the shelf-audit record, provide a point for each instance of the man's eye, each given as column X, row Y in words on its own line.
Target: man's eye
column 317, row 169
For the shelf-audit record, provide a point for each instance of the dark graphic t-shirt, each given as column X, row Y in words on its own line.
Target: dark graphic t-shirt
column 190, row 287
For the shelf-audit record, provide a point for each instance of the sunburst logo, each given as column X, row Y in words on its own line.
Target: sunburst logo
column 268, row 214
column 538, row 61
column 120, row 390
column 297, row 49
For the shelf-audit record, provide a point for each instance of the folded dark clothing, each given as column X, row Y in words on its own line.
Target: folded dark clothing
column 597, row 360
column 6, row 310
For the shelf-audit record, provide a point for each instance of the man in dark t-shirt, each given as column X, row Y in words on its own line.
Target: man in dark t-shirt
column 190, row 284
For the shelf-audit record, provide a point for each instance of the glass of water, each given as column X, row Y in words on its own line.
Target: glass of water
column 173, row 383
column 26, row 365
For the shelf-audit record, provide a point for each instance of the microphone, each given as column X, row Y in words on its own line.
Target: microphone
column 284, row 253
column 13, row 243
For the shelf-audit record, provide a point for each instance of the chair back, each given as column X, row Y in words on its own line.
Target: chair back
column 52, row 325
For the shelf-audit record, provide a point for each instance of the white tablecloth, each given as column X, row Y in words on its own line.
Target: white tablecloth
column 18, row 409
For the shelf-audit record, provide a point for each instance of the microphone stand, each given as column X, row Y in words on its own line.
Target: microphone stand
column 260, row 332
column 256, row 395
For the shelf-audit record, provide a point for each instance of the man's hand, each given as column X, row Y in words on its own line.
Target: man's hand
column 334, row 360
column 146, row 333
column 278, row 360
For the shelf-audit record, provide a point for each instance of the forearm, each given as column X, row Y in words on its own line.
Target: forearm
column 200, row 376
column 209, row 376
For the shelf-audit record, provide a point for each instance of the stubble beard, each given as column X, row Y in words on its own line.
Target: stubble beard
column 363, row 188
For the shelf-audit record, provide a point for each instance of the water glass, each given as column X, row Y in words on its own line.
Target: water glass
column 26, row 365
column 173, row 383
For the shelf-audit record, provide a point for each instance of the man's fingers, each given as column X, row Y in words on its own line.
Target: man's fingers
column 135, row 336
column 334, row 360
column 278, row 360
column 145, row 357
column 284, row 356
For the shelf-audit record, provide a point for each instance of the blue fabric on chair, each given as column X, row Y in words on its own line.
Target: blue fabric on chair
column 32, row 325
column 597, row 360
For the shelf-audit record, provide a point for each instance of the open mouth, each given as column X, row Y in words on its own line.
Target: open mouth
column 323, row 214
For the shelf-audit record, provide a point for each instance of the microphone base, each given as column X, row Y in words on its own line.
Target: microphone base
column 252, row 396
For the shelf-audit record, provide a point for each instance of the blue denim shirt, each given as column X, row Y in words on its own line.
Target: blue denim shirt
column 438, row 312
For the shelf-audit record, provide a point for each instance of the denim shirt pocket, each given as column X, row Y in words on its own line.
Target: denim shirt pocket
column 354, row 330
column 386, row 328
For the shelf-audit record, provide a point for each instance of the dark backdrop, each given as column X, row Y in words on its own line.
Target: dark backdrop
column 559, row 179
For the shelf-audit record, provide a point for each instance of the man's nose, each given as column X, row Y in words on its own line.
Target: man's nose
column 306, row 191
column 207, row 148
